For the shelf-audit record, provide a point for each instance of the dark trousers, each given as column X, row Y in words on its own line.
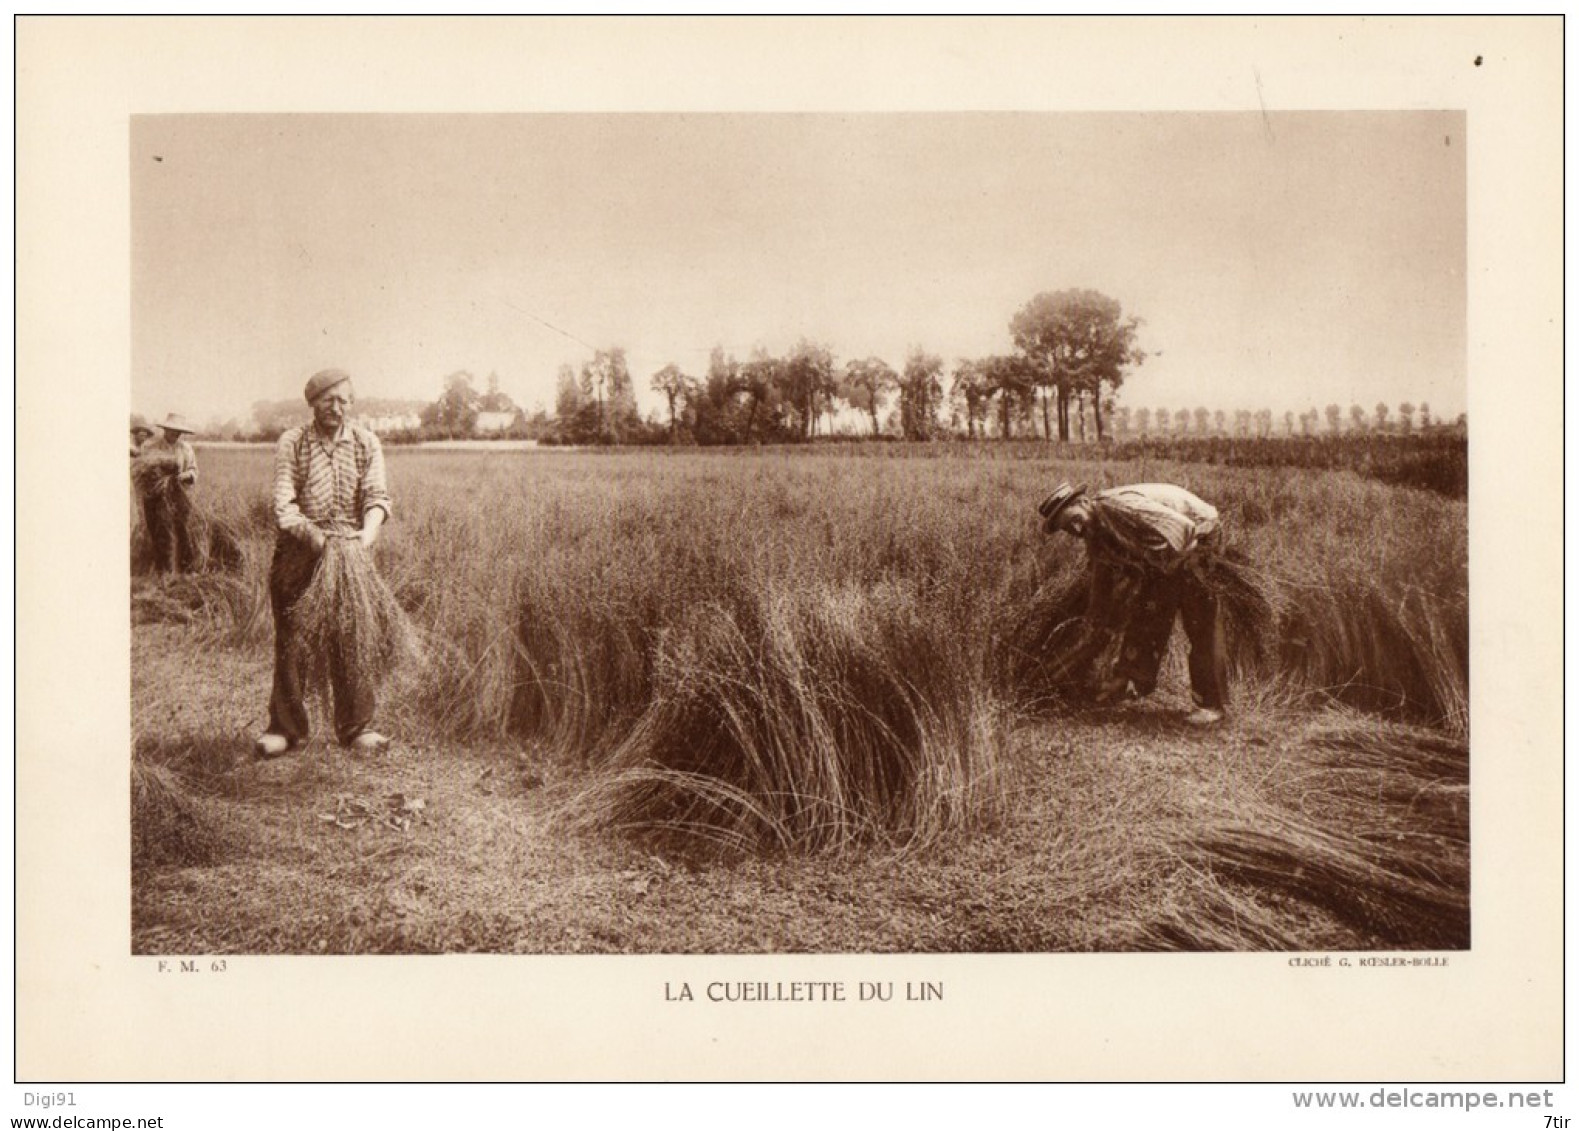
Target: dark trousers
column 1158, row 600
column 292, row 571
column 168, row 516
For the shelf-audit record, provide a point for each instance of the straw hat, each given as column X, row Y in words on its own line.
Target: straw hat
column 175, row 422
column 1052, row 506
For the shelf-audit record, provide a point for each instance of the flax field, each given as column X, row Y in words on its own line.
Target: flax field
column 789, row 699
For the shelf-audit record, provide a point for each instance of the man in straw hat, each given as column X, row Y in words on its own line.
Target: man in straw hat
column 328, row 482
column 1150, row 548
column 164, row 470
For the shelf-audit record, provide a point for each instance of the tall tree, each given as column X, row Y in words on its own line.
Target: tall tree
column 1143, row 420
column 1406, row 414
column 1334, row 419
column 1356, row 418
column 1011, row 379
column 866, row 383
column 595, row 392
column 719, row 415
column 677, row 390
column 623, row 415
column 760, row 381
column 572, row 410
column 606, row 384
column 495, row 399
column 455, row 412
column 968, row 390
column 1081, row 342
column 1381, row 417
column 920, row 394
column 808, row 383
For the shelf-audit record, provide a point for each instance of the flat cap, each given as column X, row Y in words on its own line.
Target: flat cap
column 322, row 381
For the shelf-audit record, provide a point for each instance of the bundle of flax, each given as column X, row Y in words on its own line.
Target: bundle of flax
column 348, row 611
column 213, row 542
column 1063, row 655
column 155, row 473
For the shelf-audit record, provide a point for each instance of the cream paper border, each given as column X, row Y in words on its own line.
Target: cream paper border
column 86, row 1010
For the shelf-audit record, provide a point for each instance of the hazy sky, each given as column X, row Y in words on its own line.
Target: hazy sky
column 1282, row 261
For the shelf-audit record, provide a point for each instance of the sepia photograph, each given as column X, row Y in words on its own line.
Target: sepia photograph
column 789, row 549
column 652, row 533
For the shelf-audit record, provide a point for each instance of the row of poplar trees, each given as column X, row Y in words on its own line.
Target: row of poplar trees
column 1072, row 350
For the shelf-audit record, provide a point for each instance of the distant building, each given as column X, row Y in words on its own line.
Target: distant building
column 489, row 423
column 404, row 422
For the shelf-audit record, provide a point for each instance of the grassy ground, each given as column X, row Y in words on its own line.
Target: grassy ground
column 1111, row 838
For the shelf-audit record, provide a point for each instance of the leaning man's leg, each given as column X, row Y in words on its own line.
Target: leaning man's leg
column 1146, row 640
column 1203, row 625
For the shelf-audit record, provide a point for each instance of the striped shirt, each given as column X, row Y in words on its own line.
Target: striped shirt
column 330, row 484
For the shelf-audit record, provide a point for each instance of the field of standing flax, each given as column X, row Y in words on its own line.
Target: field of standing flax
column 728, row 653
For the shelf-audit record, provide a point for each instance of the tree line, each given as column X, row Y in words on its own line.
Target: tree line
column 1072, row 351
column 1264, row 424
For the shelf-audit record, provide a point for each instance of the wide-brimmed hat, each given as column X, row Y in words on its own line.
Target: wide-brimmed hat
column 175, row 422
column 1052, row 506
column 322, row 381
column 140, row 427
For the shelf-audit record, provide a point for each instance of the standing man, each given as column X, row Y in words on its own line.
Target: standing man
column 1150, row 549
column 328, row 483
column 165, row 471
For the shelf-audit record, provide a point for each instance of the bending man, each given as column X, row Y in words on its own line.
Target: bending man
column 1150, row 547
column 328, row 483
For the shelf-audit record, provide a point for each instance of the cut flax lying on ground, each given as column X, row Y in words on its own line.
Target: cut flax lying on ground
column 219, row 605
column 348, row 611
column 169, row 825
column 1397, row 873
